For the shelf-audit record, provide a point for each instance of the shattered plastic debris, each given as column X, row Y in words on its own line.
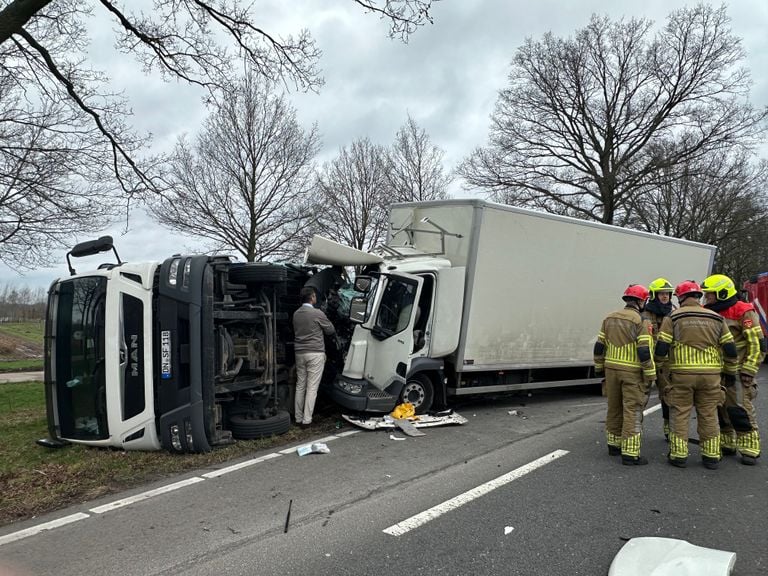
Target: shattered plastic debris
column 512, row 413
column 393, row 437
column 314, row 448
column 507, row 530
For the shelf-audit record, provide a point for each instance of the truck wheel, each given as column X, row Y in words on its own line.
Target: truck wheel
column 418, row 390
column 256, row 273
column 245, row 427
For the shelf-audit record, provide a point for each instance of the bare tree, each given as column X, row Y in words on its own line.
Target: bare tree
column 719, row 199
column 415, row 166
column 582, row 124
column 42, row 203
column 352, row 196
column 245, row 182
column 44, row 51
column 44, row 41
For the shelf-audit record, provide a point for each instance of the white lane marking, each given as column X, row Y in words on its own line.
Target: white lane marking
column 347, row 433
column 240, row 465
column 290, row 450
column 145, row 495
column 651, row 410
column 13, row 536
column 436, row 511
column 326, row 439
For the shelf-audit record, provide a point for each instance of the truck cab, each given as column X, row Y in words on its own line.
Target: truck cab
column 183, row 355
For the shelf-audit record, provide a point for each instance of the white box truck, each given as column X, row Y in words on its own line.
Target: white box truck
column 471, row 297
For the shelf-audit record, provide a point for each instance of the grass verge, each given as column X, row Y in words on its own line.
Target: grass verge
column 37, row 480
column 31, row 365
column 31, row 331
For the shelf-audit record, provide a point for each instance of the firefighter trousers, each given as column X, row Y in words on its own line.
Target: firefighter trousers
column 738, row 420
column 627, row 396
column 685, row 392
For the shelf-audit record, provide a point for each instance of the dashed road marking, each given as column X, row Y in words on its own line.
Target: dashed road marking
column 240, row 465
column 13, row 536
column 145, row 495
column 651, row 410
column 457, row 501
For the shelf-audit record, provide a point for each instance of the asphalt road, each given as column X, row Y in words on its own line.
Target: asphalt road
column 570, row 516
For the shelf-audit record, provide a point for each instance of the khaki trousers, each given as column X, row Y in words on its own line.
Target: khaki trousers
column 685, row 392
column 738, row 419
column 627, row 398
column 309, row 372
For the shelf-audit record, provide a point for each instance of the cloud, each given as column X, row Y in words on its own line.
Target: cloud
column 447, row 77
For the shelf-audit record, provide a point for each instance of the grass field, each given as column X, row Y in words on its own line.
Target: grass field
column 37, row 480
column 31, row 331
column 21, row 346
column 31, row 365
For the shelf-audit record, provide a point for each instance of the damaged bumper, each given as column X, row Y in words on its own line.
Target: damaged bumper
column 361, row 396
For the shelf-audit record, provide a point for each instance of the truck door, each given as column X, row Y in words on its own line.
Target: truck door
column 391, row 326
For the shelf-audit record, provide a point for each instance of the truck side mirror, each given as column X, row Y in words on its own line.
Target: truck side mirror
column 358, row 309
column 363, row 284
column 91, row 247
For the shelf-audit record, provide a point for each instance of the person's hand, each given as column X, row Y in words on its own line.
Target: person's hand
column 746, row 379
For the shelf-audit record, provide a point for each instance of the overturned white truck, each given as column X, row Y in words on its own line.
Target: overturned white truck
column 471, row 297
column 183, row 354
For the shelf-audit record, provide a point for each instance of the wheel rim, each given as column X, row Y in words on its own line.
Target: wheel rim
column 414, row 393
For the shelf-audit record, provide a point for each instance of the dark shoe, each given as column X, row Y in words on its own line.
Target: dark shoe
column 614, row 450
column 710, row 463
column 748, row 460
column 636, row 461
column 678, row 462
column 727, row 451
column 304, row 426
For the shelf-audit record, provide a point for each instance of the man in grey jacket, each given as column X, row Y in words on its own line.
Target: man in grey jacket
column 309, row 327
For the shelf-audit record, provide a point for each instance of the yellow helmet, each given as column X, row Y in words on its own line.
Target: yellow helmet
column 659, row 285
column 721, row 285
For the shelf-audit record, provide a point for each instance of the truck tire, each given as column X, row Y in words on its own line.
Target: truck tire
column 419, row 391
column 244, row 427
column 256, row 273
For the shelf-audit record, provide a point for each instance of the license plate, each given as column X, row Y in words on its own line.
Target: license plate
column 165, row 354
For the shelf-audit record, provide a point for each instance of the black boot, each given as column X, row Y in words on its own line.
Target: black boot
column 633, row 460
column 748, row 460
column 710, row 463
column 614, row 450
column 678, row 462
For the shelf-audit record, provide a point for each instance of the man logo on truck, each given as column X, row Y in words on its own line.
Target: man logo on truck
column 134, row 354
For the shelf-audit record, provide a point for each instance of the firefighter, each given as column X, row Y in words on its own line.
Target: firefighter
column 738, row 421
column 623, row 353
column 693, row 337
column 658, row 307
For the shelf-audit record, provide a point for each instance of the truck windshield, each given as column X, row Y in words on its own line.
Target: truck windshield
column 396, row 306
column 78, row 358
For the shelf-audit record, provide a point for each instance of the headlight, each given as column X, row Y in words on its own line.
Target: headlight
column 175, row 440
column 185, row 273
column 188, row 431
column 173, row 272
column 350, row 387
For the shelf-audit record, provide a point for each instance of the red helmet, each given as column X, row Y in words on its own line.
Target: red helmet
column 689, row 287
column 636, row 291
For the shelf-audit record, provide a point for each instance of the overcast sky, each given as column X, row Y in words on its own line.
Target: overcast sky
column 447, row 77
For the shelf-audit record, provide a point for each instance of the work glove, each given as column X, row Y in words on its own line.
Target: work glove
column 746, row 379
column 729, row 380
column 599, row 373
